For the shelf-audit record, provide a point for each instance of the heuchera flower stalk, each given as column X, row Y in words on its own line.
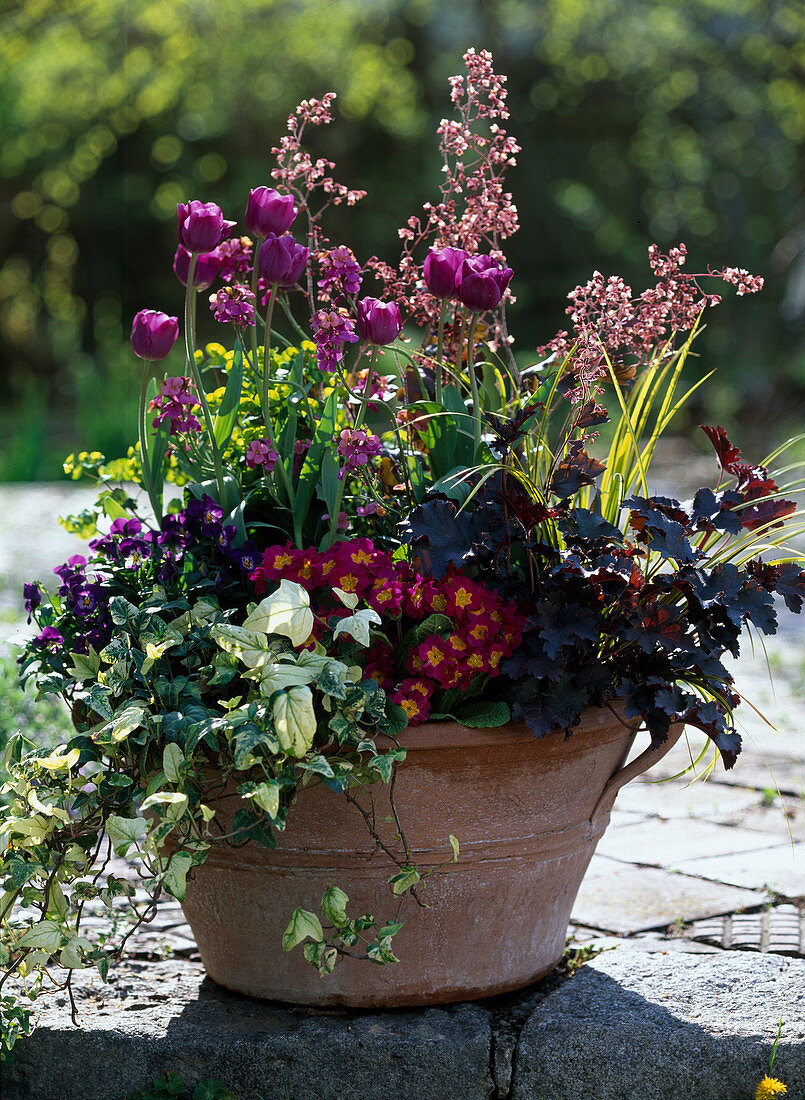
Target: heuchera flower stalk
column 267, row 212
column 153, row 334
column 378, row 322
column 201, row 225
column 480, row 283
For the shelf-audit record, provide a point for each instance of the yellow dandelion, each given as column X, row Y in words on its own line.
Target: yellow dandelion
column 770, row 1087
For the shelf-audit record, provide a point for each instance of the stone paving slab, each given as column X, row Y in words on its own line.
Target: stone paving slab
column 635, row 1025
column 682, row 799
column 636, row 899
column 784, row 821
column 781, row 869
column 661, row 843
column 168, row 1016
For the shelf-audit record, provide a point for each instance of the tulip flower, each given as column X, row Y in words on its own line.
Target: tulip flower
column 267, row 211
column 441, row 270
column 208, row 265
column 201, row 225
column 378, row 322
column 480, row 283
column 153, row 334
column 281, row 261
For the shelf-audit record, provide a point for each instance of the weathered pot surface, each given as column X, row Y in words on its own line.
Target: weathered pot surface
column 528, row 815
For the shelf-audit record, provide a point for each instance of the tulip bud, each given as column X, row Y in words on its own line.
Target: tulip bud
column 441, row 269
column 480, row 283
column 153, row 334
column 208, row 264
column 378, row 322
column 267, row 211
column 201, row 225
column 281, row 261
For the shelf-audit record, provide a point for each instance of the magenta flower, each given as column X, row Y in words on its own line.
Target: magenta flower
column 235, row 255
column 267, row 212
column 235, row 304
column 332, row 328
column 481, row 281
column 341, row 272
column 378, row 322
column 208, row 266
column 201, row 225
column 441, row 270
column 261, row 453
column 173, row 402
column 153, row 334
column 281, row 261
column 49, row 638
column 357, row 446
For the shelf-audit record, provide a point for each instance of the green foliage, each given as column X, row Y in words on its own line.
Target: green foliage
column 41, row 723
column 668, row 121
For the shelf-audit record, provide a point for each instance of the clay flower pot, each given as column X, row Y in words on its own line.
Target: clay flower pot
column 528, row 815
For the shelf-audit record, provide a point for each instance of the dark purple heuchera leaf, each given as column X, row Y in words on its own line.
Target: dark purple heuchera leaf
column 509, row 432
column 661, row 524
column 576, row 470
column 442, row 536
column 710, row 511
column 658, row 626
column 560, row 627
column 581, row 523
column 557, row 706
column 754, row 485
column 787, row 579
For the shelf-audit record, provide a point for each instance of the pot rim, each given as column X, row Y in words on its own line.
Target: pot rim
column 432, row 735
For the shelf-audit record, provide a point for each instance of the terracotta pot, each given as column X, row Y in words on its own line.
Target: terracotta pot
column 528, row 815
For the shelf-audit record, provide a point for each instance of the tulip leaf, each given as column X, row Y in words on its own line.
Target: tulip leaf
column 311, row 470
column 227, row 415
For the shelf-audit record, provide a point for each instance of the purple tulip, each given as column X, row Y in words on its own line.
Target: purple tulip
column 208, row 264
column 202, row 226
column 267, row 211
column 441, row 270
column 378, row 322
column 281, row 261
column 153, row 334
column 480, row 283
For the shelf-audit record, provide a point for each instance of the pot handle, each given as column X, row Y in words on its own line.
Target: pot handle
column 650, row 756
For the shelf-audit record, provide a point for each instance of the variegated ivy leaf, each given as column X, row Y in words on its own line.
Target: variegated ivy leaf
column 125, row 831
column 266, row 795
column 282, row 675
column 126, row 721
column 173, row 762
column 44, row 936
column 36, row 803
column 72, row 956
column 253, row 648
column 295, row 720
column 59, row 759
column 357, row 625
column 174, row 801
column 348, row 599
column 204, row 611
column 85, row 665
column 286, row 612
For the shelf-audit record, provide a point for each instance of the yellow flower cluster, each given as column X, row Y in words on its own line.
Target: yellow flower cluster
column 769, row 1088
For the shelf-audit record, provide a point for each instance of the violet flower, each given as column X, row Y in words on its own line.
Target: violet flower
column 153, row 334
column 268, row 212
column 235, row 255
column 480, row 283
column 281, row 261
column 261, row 453
column 357, row 446
column 378, row 322
column 332, row 328
column 441, row 270
column 201, row 225
column 208, row 266
column 232, row 303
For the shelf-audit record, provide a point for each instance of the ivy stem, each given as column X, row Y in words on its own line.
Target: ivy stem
column 439, row 350
column 476, row 402
column 195, row 371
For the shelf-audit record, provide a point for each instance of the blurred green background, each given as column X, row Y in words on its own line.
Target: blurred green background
column 640, row 120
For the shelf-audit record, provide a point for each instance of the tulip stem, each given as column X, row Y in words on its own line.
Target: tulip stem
column 476, row 402
column 195, row 371
column 439, row 350
column 370, row 373
column 266, row 403
column 145, row 459
column 255, row 249
column 267, row 357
